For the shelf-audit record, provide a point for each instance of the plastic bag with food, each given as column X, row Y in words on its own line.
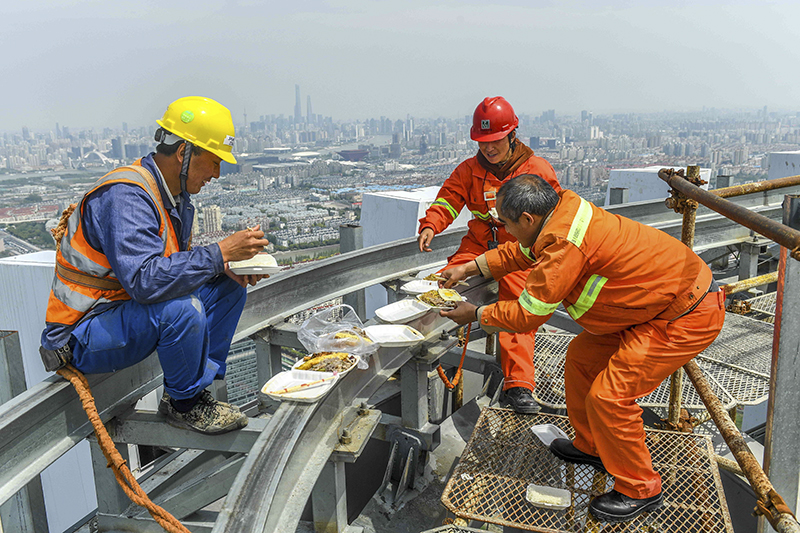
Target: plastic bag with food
column 337, row 329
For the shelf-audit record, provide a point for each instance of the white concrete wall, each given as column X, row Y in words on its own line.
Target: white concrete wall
column 68, row 484
column 644, row 183
column 392, row 215
column 783, row 165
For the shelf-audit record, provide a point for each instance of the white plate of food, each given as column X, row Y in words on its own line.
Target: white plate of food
column 441, row 299
column 326, row 364
column 299, row 386
column 394, row 335
column 262, row 263
column 419, row 286
column 402, row 311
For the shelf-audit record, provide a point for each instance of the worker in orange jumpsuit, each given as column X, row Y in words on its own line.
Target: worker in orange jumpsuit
column 647, row 303
column 474, row 183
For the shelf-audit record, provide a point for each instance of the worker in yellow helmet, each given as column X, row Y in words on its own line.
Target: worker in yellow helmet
column 128, row 283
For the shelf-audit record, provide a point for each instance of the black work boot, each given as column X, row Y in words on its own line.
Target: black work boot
column 616, row 507
column 565, row 450
column 521, row 400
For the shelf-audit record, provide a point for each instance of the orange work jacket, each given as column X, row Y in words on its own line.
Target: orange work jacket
column 83, row 276
column 610, row 272
column 472, row 185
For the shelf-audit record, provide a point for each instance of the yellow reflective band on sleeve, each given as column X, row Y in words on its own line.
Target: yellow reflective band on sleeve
column 536, row 306
column 482, row 216
column 444, row 203
column 526, row 252
column 577, row 231
column 588, row 296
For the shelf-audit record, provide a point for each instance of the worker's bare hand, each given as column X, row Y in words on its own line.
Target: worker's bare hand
column 244, row 281
column 464, row 313
column 424, row 240
column 454, row 275
column 243, row 245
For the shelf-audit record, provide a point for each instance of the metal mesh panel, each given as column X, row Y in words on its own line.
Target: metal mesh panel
column 739, row 360
column 765, row 303
column 503, row 457
column 551, row 349
column 737, row 365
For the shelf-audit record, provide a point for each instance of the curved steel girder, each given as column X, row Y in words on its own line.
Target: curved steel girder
column 288, row 293
column 282, row 467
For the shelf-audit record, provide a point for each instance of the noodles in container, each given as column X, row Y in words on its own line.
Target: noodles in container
column 441, row 298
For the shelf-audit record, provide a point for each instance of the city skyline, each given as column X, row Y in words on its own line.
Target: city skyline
column 81, row 64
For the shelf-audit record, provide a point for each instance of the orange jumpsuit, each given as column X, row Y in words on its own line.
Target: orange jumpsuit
column 472, row 185
column 635, row 290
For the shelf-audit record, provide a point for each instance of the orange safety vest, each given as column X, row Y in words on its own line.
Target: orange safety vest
column 472, row 185
column 610, row 272
column 83, row 277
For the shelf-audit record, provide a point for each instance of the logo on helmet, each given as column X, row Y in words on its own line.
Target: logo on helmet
column 485, row 125
column 187, row 116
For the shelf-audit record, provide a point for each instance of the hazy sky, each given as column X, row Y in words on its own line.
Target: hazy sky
column 99, row 63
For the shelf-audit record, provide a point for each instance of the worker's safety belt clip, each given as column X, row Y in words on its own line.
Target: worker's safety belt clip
column 55, row 359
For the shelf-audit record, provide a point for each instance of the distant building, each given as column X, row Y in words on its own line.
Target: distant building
column 212, row 219
column 644, row 183
column 298, row 111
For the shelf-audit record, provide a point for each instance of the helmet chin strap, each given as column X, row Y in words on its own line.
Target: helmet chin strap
column 187, row 156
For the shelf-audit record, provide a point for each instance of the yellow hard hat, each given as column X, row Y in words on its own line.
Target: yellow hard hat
column 203, row 122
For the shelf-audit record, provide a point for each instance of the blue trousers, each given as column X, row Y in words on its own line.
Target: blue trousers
column 192, row 335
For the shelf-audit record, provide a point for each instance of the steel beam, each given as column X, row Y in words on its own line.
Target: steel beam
column 329, row 499
column 25, row 511
column 39, row 426
column 148, row 428
column 782, row 444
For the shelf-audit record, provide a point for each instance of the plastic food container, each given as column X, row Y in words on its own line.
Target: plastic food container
column 393, row 335
column 548, row 497
column 292, row 378
column 402, row 311
column 262, row 263
column 418, row 286
column 547, row 433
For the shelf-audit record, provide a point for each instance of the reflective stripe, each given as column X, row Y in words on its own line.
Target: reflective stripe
column 444, row 203
column 482, row 216
column 536, row 306
column 588, row 296
column 577, row 231
column 526, row 252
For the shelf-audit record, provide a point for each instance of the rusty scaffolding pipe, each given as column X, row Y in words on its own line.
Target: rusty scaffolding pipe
column 745, row 284
column 770, row 502
column 783, row 522
column 689, row 208
column 785, row 236
column 761, row 186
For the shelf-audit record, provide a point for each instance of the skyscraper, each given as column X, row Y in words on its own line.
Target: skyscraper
column 298, row 112
column 309, row 114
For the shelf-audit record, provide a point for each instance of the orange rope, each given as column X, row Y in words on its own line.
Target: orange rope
column 115, row 461
column 450, row 386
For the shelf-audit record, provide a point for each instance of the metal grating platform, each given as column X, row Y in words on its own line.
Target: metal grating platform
column 737, row 366
column 765, row 304
column 503, row 457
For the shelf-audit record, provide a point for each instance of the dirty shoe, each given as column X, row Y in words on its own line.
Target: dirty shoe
column 208, row 415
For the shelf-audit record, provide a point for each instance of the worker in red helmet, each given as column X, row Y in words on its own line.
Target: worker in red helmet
column 474, row 183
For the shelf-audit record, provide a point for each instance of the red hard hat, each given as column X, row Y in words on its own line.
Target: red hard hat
column 493, row 119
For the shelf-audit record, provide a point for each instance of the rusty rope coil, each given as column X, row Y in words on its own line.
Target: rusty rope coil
column 463, row 340
column 678, row 201
column 115, row 461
